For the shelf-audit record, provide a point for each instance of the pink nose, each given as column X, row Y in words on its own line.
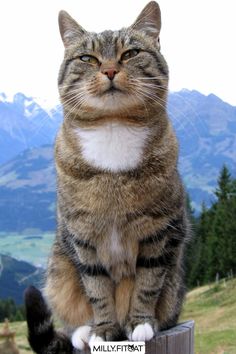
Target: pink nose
column 110, row 72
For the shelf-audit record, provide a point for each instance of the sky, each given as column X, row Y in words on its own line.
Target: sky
column 197, row 40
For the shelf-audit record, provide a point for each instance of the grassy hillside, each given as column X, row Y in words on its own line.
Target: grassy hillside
column 214, row 310
column 212, row 307
column 21, row 339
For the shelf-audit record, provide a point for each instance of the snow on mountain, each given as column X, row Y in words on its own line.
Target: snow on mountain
column 25, row 124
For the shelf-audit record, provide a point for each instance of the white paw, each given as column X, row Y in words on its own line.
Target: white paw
column 142, row 332
column 80, row 337
column 94, row 339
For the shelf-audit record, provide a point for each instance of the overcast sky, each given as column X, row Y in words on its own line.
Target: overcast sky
column 198, row 39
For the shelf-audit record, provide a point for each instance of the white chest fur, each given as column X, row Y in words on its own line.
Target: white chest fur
column 117, row 249
column 113, row 146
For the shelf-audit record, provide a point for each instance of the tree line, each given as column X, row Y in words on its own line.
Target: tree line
column 8, row 309
column 211, row 254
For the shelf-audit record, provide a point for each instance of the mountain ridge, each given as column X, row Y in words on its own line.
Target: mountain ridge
column 25, row 124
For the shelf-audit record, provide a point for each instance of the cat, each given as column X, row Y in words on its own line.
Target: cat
column 116, row 266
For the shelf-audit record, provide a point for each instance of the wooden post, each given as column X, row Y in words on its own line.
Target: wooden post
column 8, row 346
column 177, row 340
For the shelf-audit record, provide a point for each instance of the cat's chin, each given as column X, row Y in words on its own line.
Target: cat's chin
column 113, row 91
column 112, row 100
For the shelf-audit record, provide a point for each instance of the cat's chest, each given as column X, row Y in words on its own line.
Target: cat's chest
column 116, row 247
column 118, row 254
column 113, row 146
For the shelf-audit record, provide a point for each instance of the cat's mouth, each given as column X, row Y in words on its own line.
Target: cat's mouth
column 112, row 90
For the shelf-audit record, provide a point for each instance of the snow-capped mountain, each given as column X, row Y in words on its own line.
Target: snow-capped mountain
column 206, row 128
column 24, row 124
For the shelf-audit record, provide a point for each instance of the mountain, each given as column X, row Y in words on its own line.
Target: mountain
column 206, row 129
column 27, row 191
column 16, row 276
column 24, row 124
column 205, row 126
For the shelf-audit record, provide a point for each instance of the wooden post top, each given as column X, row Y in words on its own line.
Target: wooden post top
column 177, row 340
column 6, row 332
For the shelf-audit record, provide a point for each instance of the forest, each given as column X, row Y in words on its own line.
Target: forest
column 211, row 254
column 8, row 309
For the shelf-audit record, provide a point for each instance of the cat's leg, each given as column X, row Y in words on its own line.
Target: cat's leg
column 100, row 291
column 65, row 292
column 79, row 287
column 159, row 256
column 142, row 324
column 170, row 301
column 97, row 285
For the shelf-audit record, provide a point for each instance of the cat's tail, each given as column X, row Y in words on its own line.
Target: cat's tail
column 42, row 336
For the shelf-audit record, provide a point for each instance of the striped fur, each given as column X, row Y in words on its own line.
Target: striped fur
column 117, row 261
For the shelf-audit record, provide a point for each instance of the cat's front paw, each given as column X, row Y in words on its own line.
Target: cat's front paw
column 105, row 332
column 141, row 331
column 80, row 337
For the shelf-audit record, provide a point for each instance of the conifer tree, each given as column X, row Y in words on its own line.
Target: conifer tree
column 224, row 185
column 221, row 231
column 213, row 249
column 199, row 257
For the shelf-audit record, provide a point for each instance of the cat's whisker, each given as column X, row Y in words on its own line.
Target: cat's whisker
column 150, row 84
column 140, row 99
column 74, row 97
column 145, row 95
column 74, row 104
column 153, row 98
column 149, row 94
column 156, row 87
column 70, row 85
column 150, row 78
column 147, row 84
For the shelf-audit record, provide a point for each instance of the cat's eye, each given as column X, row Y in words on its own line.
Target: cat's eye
column 129, row 54
column 89, row 59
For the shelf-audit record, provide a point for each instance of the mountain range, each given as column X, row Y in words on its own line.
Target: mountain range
column 205, row 126
column 16, row 276
column 24, row 125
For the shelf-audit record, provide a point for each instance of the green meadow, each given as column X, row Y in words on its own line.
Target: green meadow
column 213, row 308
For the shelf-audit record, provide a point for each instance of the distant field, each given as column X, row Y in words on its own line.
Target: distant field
column 213, row 308
column 33, row 248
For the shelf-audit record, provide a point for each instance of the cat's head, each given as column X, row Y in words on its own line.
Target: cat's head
column 113, row 71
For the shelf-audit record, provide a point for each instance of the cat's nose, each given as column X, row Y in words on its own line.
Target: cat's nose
column 110, row 72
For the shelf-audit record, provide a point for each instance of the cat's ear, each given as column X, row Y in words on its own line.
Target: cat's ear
column 149, row 20
column 70, row 30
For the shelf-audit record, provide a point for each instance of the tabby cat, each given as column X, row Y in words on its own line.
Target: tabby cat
column 117, row 261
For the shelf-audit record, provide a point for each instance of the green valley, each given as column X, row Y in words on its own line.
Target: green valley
column 31, row 247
